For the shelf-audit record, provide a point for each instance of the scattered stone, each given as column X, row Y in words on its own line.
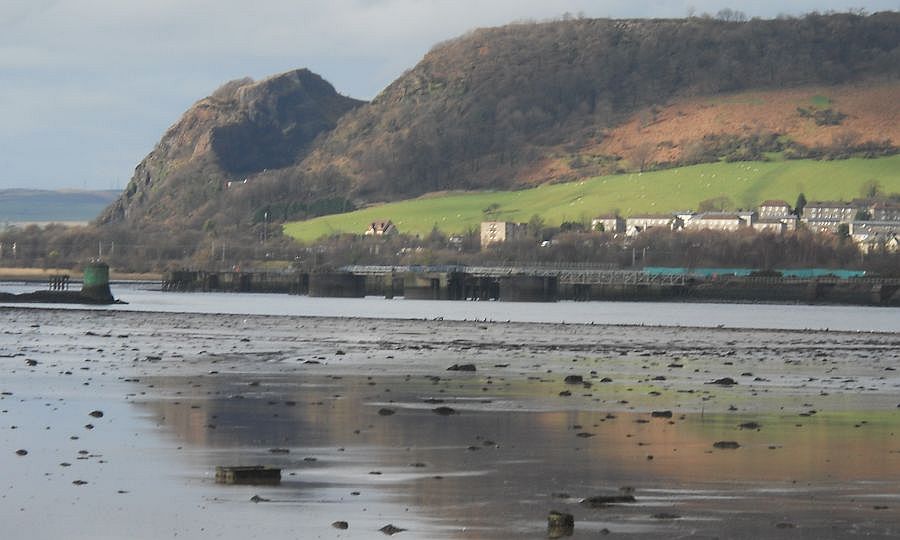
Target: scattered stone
column 31, row 363
column 258, row 499
column 606, row 380
column 248, row 475
column 661, row 414
column 584, row 435
column 279, row 451
column 560, row 524
column 565, row 393
column 390, row 529
column 79, row 482
column 785, row 525
column 724, row 381
column 339, row 353
column 574, row 379
column 750, row 425
column 599, row 501
column 97, row 414
column 665, row 515
column 461, row 367
column 386, row 412
column 444, row 411
column 726, row 445
column 22, row 452
column 343, row 525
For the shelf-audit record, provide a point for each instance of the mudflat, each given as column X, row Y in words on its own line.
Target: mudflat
column 113, row 424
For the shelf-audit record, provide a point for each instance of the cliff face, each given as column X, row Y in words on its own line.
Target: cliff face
column 243, row 128
column 519, row 104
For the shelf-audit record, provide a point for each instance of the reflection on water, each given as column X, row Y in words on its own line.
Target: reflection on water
column 491, row 471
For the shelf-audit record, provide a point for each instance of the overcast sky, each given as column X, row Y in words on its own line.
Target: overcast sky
column 87, row 87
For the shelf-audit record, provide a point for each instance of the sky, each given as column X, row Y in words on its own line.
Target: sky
column 88, row 87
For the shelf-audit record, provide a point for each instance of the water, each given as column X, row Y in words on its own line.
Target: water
column 708, row 315
column 188, row 382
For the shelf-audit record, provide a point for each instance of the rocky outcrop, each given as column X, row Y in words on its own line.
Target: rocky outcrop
column 242, row 128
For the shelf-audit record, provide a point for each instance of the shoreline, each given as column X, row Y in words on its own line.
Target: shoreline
column 724, row 328
column 37, row 275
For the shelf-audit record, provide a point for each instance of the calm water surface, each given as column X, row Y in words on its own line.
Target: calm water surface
column 776, row 316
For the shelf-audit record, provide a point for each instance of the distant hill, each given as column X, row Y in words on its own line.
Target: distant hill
column 527, row 104
column 242, row 129
column 41, row 206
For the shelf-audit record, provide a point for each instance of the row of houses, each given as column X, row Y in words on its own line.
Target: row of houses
column 772, row 216
column 870, row 224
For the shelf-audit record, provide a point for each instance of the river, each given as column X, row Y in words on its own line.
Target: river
column 145, row 297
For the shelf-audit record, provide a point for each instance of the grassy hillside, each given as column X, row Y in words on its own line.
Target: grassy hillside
column 745, row 183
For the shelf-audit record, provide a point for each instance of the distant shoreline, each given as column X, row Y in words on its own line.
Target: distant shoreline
column 42, row 274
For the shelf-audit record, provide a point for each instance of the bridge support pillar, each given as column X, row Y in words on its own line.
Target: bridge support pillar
column 529, row 289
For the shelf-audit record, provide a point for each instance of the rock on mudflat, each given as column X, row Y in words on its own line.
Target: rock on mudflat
column 461, row 367
column 600, row 501
column 343, row 525
column 574, row 379
column 661, row 414
column 390, row 529
column 385, row 412
column 560, row 524
column 444, row 411
column 724, row 381
column 726, row 445
column 97, row 414
column 22, row 452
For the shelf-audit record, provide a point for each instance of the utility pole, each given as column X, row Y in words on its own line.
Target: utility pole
column 266, row 227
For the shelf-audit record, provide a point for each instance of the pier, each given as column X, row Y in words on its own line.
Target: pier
column 542, row 283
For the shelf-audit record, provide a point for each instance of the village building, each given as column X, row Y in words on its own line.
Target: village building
column 717, row 221
column 382, row 227
column 610, row 224
column 827, row 217
column 831, row 211
column 774, row 209
column 639, row 224
column 773, row 225
column 494, row 232
column 685, row 215
column 884, row 211
column 871, row 235
column 791, row 223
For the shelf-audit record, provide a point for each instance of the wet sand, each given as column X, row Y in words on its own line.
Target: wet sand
column 346, row 408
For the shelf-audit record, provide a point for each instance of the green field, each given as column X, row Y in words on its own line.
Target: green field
column 745, row 183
